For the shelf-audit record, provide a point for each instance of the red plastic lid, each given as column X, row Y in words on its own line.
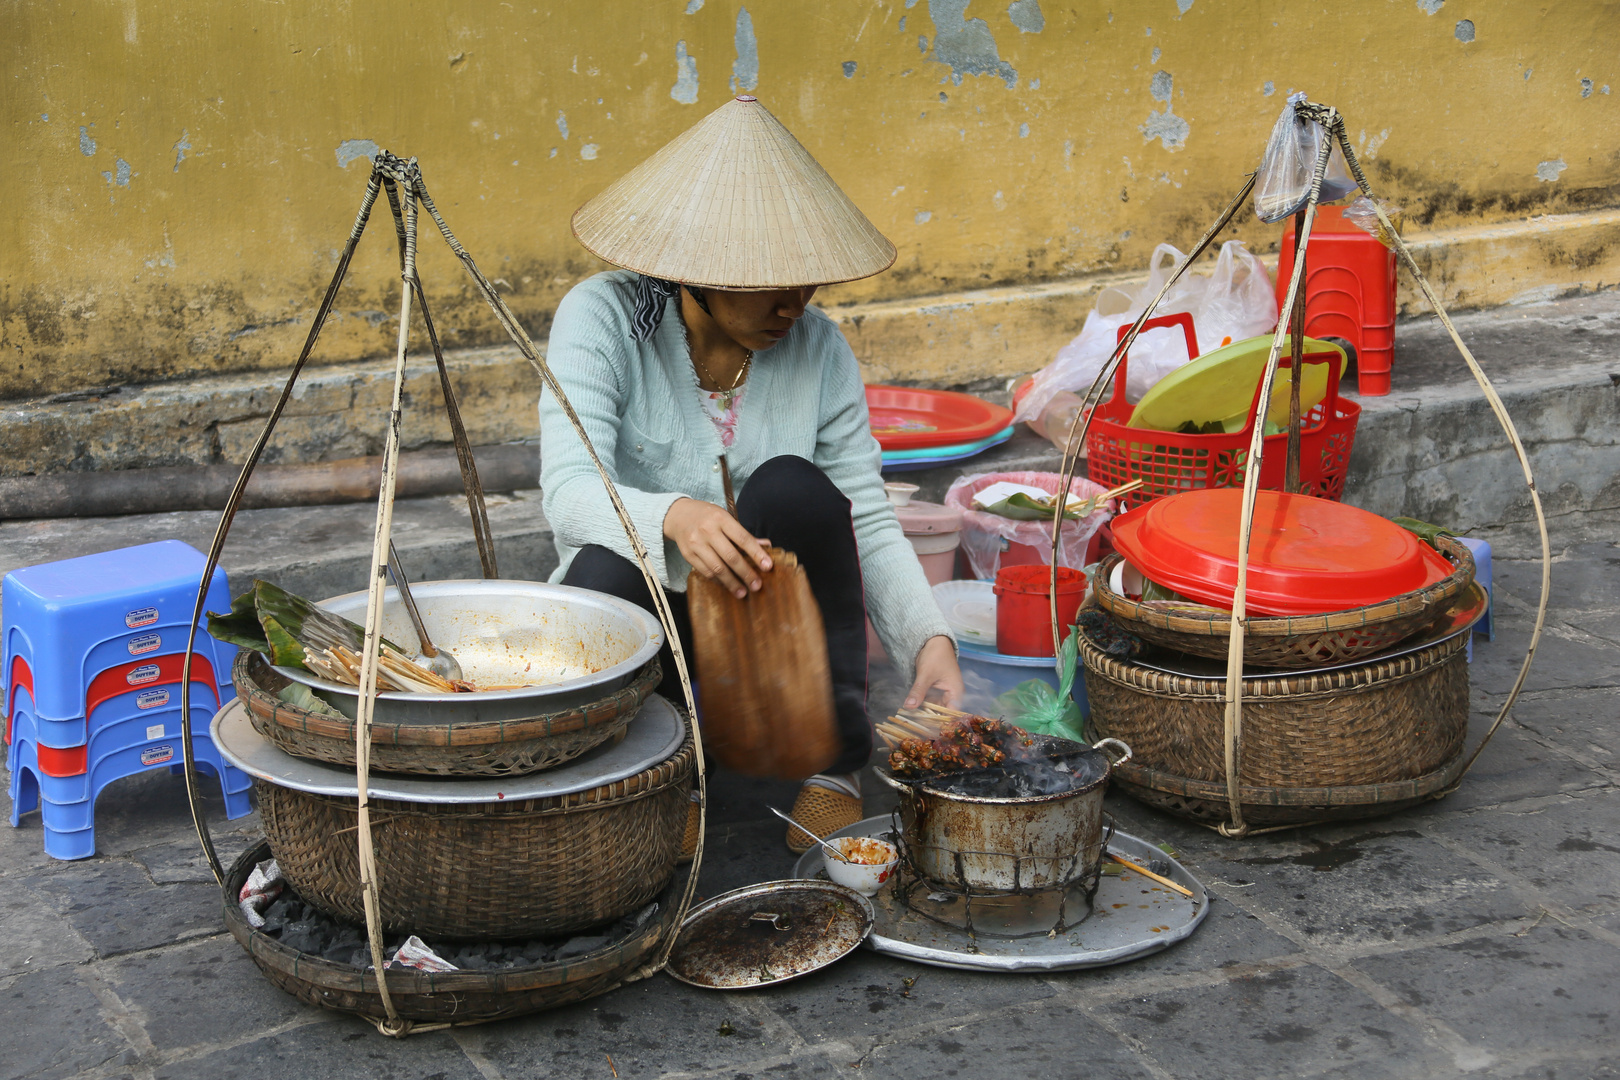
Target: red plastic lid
column 1307, row 556
column 905, row 418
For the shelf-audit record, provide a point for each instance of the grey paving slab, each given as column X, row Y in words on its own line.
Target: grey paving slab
column 651, row 1028
column 1585, row 576
column 33, row 934
column 51, row 1026
column 1230, row 940
column 1566, row 657
column 200, row 993
column 1566, row 847
column 117, row 909
column 1366, row 885
column 1299, row 1022
column 867, row 997
column 1046, row 1041
column 1504, row 993
column 1516, row 765
column 1586, row 722
column 343, row 1049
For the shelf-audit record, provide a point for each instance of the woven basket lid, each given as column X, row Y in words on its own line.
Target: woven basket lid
column 736, row 202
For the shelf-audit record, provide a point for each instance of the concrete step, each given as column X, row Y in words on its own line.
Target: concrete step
column 1431, row 450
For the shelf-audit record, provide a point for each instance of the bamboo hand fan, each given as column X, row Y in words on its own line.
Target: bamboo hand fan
column 764, row 685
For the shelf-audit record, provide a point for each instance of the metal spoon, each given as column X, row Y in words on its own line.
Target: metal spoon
column 440, row 662
column 838, row 854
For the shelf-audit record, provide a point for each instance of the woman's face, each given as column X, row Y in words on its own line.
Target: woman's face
column 757, row 320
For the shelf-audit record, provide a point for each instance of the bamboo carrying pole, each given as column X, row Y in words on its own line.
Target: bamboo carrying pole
column 402, row 181
column 1291, row 321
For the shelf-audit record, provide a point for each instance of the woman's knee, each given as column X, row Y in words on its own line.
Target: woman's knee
column 792, row 486
column 602, row 570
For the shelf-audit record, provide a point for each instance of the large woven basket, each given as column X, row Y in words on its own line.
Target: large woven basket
column 462, row 996
column 489, row 871
column 1356, row 742
column 481, row 748
column 1291, row 641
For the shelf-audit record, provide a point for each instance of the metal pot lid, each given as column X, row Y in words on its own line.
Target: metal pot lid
column 769, row 933
column 653, row 735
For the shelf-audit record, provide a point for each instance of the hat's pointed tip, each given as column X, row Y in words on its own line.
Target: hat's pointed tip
column 747, row 97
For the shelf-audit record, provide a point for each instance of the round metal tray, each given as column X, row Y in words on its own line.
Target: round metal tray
column 653, row 735
column 1132, row 917
column 765, row 934
column 588, row 644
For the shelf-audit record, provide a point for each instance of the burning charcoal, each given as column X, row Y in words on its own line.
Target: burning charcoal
column 580, row 946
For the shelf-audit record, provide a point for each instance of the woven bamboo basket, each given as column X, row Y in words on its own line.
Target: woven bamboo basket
column 1356, row 742
column 484, row 748
column 489, row 871
column 457, row 996
column 1291, row 641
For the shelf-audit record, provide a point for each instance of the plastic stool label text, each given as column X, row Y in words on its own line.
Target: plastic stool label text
column 157, row 755
column 140, row 617
column 142, row 675
column 151, row 699
column 145, row 643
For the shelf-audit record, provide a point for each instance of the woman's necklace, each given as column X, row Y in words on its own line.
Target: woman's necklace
column 728, row 393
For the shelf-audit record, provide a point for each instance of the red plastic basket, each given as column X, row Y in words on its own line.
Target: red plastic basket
column 1349, row 293
column 1168, row 461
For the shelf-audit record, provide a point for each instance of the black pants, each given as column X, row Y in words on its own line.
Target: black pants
column 793, row 503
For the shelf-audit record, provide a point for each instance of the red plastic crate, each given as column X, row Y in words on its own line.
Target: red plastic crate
column 1169, row 462
column 1349, row 293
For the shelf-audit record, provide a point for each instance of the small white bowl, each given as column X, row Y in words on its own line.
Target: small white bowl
column 899, row 493
column 865, row 878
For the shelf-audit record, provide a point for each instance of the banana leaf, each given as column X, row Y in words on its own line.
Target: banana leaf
column 280, row 624
column 1022, row 507
column 1423, row 530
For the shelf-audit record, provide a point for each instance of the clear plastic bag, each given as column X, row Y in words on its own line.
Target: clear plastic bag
column 1235, row 301
column 1362, row 215
column 1284, row 184
column 986, row 536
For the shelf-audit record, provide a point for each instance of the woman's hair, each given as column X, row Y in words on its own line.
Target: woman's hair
column 700, row 298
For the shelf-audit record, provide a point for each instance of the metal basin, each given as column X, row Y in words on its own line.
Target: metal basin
column 577, row 644
column 968, row 843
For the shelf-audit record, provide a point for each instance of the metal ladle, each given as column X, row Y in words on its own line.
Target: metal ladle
column 839, row 855
column 440, row 662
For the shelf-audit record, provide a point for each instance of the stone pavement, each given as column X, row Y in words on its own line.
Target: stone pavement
column 1477, row 936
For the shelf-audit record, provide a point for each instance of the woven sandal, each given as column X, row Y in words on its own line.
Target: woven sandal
column 823, row 811
column 690, row 839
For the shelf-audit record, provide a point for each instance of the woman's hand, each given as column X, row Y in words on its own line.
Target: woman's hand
column 936, row 670
column 718, row 547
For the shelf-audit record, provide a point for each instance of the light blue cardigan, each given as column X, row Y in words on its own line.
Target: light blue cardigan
column 640, row 404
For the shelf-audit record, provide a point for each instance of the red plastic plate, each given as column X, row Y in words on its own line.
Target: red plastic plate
column 904, row 418
column 1307, row 556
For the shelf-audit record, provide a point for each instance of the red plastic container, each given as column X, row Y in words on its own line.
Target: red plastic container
column 1024, row 610
column 1169, row 461
column 1307, row 556
column 1349, row 293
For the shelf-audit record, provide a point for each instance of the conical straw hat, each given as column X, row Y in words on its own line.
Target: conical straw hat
column 734, row 203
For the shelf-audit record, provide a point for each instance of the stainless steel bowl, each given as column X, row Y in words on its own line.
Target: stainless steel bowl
column 580, row 645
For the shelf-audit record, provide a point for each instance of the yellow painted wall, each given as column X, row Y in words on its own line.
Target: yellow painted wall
column 174, row 197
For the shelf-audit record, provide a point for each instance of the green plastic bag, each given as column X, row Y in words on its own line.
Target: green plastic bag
column 1037, row 708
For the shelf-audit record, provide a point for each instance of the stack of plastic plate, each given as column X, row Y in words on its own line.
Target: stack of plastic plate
column 919, row 429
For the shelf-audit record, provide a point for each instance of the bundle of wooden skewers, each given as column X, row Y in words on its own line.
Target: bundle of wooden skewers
column 935, row 739
column 395, row 670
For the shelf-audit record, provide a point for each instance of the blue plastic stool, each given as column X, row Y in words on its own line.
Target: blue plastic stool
column 72, row 619
column 65, row 782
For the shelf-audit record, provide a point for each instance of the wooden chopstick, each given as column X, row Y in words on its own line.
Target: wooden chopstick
column 1145, row 872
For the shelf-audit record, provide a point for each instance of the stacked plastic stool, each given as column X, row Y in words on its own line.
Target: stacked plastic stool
column 91, row 653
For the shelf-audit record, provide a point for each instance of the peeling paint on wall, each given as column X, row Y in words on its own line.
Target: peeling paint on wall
column 924, row 215
column 354, row 149
column 120, row 178
column 1465, row 31
column 685, row 89
column 1269, row 89
column 1586, row 92
column 1167, row 127
column 965, row 44
column 849, row 69
column 1369, row 147
column 1027, row 16
column 562, row 123
column 1184, row 6
column 1429, row 7
column 87, row 145
column 588, row 151
column 745, row 70
column 1548, row 171
column 1153, row 58
column 694, row 6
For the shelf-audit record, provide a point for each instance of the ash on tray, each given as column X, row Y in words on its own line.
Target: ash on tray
column 1019, row 779
column 299, row 926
